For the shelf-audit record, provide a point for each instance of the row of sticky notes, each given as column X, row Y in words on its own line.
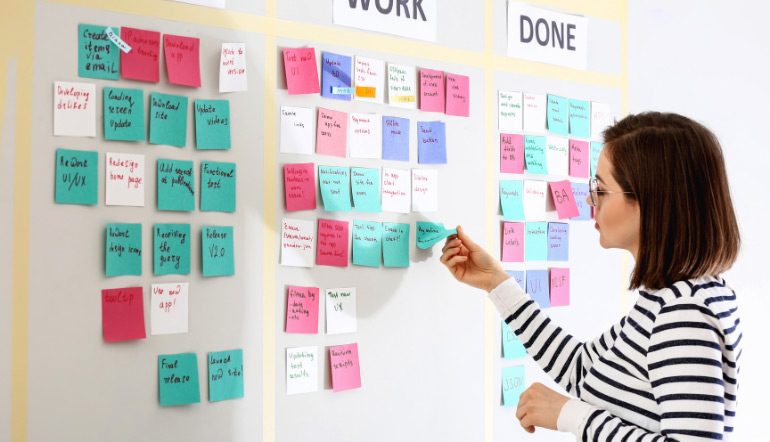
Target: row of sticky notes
column 302, row 306
column 535, row 241
column 369, row 135
column 364, row 78
column 178, row 377
column 529, row 112
column 548, row 155
column 527, row 199
column 171, row 250
column 302, row 368
column 549, row 288
column 123, row 311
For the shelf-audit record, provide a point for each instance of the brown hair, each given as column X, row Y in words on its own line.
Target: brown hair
column 674, row 168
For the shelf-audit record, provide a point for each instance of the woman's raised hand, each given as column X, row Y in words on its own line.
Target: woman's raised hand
column 471, row 264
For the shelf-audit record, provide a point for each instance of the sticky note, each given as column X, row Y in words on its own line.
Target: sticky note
column 176, row 185
column 335, row 73
column 557, row 155
column 370, row 73
column 335, row 188
column 513, row 242
column 534, row 154
column 559, row 287
column 212, row 124
column 513, row 385
column 365, row 185
column 365, row 135
column 512, row 199
column 217, row 186
column 122, row 314
column 302, row 310
column 124, row 178
column 578, row 158
column 346, row 372
column 458, row 95
column 395, row 138
column 431, row 90
column 297, row 243
column 217, row 251
column 535, row 199
column 123, row 254
column 424, row 190
column 396, row 194
column 558, row 114
column 74, row 109
column 518, row 275
column 299, row 186
column 171, row 249
column 402, row 86
column 124, row 114
column 512, row 346
column 558, row 242
column 579, row 118
column 429, row 234
column 563, row 199
column 232, row 68
column 510, row 113
column 333, row 243
column 395, row 244
column 182, row 55
column 178, row 379
column 76, row 177
column 332, row 136
column 601, row 118
column 511, row 153
column 98, row 57
column 169, row 308
column 142, row 62
column 367, row 243
column 115, row 39
column 301, row 370
column 341, row 311
column 536, row 241
column 596, row 149
column 365, row 91
column 225, row 375
column 431, row 142
column 168, row 119
column 537, row 287
column 301, row 71
column 580, row 190
column 297, row 135
column 534, row 112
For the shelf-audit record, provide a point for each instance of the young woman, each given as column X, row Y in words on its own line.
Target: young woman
column 667, row 370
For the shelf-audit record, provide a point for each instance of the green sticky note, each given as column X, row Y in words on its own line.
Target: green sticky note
column 512, row 347
column 536, row 241
column 98, row 57
column 596, row 149
column 557, row 114
column 171, row 244
column 395, row 244
column 176, row 185
column 168, row 119
column 534, row 154
column 335, row 188
column 580, row 118
column 512, row 199
column 513, row 385
column 124, row 114
column 212, row 124
column 367, row 243
column 123, row 255
column 76, row 177
column 365, row 185
column 217, row 248
column 217, row 187
column 178, row 379
column 225, row 375
column 429, row 234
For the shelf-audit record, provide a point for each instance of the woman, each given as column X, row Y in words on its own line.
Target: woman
column 666, row 371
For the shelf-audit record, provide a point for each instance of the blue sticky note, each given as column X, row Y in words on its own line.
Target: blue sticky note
column 518, row 275
column 124, row 114
column 217, row 186
column 558, row 242
column 335, row 188
column 395, row 244
column 512, row 347
column 534, row 154
column 395, row 138
column 176, row 185
column 335, row 73
column 225, row 375
column 217, row 249
column 98, row 57
column 557, row 114
column 367, row 243
column 77, row 177
column 365, row 185
column 513, row 385
column 536, row 241
column 212, row 124
column 431, row 142
column 596, row 149
column 171, row 249
column 580, row 118
column 168, row 119
column 123, row 254
column 580, row 190
column 511, row 199
column 178, row 379
column 429, row 233
column 538, row 287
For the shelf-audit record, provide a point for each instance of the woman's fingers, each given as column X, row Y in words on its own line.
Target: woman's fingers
column 449, row 253
column 458, row 259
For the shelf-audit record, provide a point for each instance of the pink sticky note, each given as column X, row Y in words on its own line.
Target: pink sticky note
column 431, row 90
column 346, row 373
column 123, row 314
column 513, row 242
column 333, row 241
column 302, row 310
column 142, row 62
column 578, row 159
column 559, row 287
column 458, row 95
column 331, row 133
column 511, row 153
column 301, row 71
column 299, row 186
column 182, row 60
column 564, row 199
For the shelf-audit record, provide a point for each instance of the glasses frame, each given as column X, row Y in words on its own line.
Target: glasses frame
column 593, row 190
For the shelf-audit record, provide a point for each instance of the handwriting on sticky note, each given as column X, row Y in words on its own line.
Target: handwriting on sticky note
column 178, row 379
column 297, row 242
column 370, row 73
column 534, row 154
column 332, row 132
column 302, row 309
column 513, row 242
column 123, row 314
column 395, row 190
column 301, row 71
column 76, row 177
column 367, row 243
column 558, row 114
column 217, row 186
column 557, row 155
column 510, row 111
column 74, row 109
column 512, row 199
column 536, row 241
column 429, row 234
column 212, row 124
column 301, row 370
column 346, row 372
column 341, row 311
column 225, row 375
column 538, row 287
column 169, row 308
column 365, row 136
column 123, row 251
column 431, row 142
column 98, row 57
column 559, row 287
column 424, row 190
column 333, row 242
column 182, row 56
column 335, row 75
column 299, row 186
column 513, row 385
column 431, row 90
column 558, row 241
column 168, row 119
column 335, row 188
column 402, row 86
column 579, row 158
column 395, row 138
column 395, row 244
column 511, row 153
column 171, row 249
column 563, row 199
column 142, row 62
column 218, row 254
column 457, row 95
column 232, row 68
column 365, row 184
column 535, row 198
column 124, row 180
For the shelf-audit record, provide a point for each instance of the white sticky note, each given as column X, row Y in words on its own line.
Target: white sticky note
column 424, row 190
column 74, row 109
column 169, row 307
column 341, row 311
column 395, row 190
column 370, row 72
column 601, row 118
column 534, row 112
column 557, row 155
column 534, row 199
column 301, row 370
column 510, row 112
column 124, row 177
column 297, row 132
column 232, row 68
column 297, row 243
column 365, row 135
column 402, row 86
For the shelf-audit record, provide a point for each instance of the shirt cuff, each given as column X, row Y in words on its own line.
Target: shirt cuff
column 507, row 297
column 573, row 414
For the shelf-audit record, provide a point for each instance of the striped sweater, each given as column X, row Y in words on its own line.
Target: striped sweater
column 666, row 372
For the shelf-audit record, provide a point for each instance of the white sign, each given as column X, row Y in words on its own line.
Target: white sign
column 341, row 311
column 74, row 109
column 301, row 370
column 232, row 68
column 365, row 135
column 169, row 308
column 406, row 18
column 124, row 175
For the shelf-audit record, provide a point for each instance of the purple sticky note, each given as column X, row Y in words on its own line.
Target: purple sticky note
column 580, row 190
column 537, row 287
column 518, row 275
column 335, row 73
column 395, row 138
column 559, row 287
column 578, row 158
column 558, row 241
column 511, row 153
column 431, row 142
column 513, row 242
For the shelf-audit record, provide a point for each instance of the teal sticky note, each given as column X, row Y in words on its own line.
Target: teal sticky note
column 124, row 114
column 580, row 118
column 176, row 185
column 212, row 124
column 429, row 233
column 217, row 187
column 225, row 375
column 557, row 114
column 168, row 119
column 366, row 189
column 335, row 188
column 178, row 379
column 123, row 254
column 76, row 177
column 596, row 149
column 98, row 57
column 171, row 249
column 395, row 244
column 512, row 347
column 217, row 249
column 367, row 243
column 534, row 154
column 536, row 241
column 512, row 199
column 513, row 385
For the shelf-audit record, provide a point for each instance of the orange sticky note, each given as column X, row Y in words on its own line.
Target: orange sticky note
column 182, row 60
column 123, row 314
column 366, row 92
column 301, row 71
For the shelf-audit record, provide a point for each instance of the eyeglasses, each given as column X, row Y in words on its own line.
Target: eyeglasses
column 593, row 190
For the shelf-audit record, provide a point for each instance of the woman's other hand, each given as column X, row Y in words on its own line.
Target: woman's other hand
column 539, row 406
column 471, row 264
